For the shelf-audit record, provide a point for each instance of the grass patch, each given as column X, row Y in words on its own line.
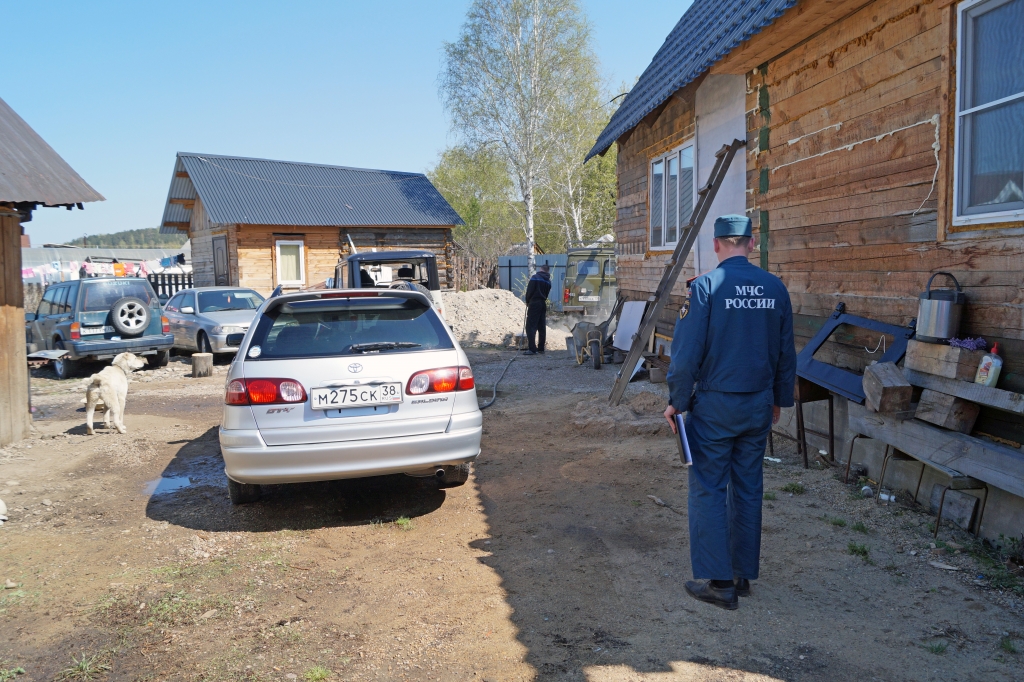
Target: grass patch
column 176, row 608
column 317, row 673
column 404, row 523
column 860, row 527
column 9, row 673
column 1006, row 644
column 769, row 496
column 993, row 564
column 859, row 550
column 938, row 648
column 84, row 668
column 837, row 522
column 795, row 488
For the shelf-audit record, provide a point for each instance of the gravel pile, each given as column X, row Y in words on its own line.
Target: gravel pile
column 490, row 317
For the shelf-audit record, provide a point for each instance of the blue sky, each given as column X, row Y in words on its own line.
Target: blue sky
column 118, row 87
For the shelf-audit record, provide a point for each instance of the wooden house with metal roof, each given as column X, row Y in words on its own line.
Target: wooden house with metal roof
column 885, row 142
column 260, row 223
column 32, row 174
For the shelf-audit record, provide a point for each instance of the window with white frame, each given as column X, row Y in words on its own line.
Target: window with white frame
column 290, row 263
column 989, row 169
column 671, row 195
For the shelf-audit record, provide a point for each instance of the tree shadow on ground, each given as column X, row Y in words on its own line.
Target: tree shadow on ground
column 201, row 502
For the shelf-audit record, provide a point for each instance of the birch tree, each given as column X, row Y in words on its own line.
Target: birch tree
column 503, row 81
column 581, row 195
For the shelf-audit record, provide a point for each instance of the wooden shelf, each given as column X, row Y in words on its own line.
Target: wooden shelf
column 997, row 398
column 998, row 465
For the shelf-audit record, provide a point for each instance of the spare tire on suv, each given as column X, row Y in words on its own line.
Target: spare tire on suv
column 130, row 316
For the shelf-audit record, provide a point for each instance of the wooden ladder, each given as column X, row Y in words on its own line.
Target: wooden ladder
column 706, row 195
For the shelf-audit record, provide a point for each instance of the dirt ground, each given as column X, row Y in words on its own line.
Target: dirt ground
column 125, row 561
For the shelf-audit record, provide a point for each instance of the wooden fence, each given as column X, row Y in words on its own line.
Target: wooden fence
column 473, row 273
column 167, row 284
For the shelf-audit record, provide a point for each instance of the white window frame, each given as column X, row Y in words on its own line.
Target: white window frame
column 302, row 262
column 663, row 158
column 959, row 157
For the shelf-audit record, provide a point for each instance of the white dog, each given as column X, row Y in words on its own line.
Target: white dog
column 111, row 387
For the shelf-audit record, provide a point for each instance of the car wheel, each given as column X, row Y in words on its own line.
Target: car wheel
column 243, row 493
column 64, row 368
column 456, row 475
column 130, row 316
column 203, row 343
column 161, row 359
column 595, row 353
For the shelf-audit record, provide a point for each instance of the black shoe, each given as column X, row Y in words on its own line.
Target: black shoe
column 742, row 587
column 530, row 352
column 722, row 597
column 541, row 351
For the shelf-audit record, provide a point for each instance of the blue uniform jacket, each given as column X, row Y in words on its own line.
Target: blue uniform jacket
column 736, row 338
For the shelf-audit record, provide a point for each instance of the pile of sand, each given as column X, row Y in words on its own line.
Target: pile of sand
column 490, row 317
column 640, row 416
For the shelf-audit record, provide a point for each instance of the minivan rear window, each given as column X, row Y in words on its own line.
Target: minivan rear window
column 340, row 327
column 101, row 294
column 586, row 268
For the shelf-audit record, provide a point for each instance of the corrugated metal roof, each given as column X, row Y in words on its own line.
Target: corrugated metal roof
column 31, row 172
column 708, row 31
column 264, row 192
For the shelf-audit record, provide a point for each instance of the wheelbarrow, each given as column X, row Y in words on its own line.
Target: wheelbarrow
column 588, row 342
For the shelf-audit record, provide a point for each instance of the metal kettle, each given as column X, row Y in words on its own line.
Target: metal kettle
column 939, row 311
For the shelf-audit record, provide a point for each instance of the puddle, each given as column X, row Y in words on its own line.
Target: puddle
column 166, row 484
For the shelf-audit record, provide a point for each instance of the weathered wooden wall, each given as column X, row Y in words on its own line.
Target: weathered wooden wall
column 15, row 420
column 201, row 235
column 853, row 171
column 638, row 269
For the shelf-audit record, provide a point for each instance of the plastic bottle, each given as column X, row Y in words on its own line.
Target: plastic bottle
column 989, row 367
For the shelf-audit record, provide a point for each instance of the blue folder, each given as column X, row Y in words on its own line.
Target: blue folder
column 681, row 442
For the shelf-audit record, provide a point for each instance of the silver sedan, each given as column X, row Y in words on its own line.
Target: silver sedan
column 205, row 318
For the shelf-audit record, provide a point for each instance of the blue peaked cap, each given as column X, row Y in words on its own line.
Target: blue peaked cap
column 733, row 226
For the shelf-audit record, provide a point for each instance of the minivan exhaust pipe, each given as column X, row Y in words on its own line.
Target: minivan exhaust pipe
column 440, row 472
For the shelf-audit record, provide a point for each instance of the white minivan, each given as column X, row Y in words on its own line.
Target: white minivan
column 347, row 383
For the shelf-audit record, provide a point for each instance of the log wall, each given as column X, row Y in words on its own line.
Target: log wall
column 253, row 256
column 15, row 421
column 851, row 165
column 849, row 172
column 638, row 269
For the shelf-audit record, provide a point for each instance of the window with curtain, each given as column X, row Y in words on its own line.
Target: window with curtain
column 289, row 263
column 671, row 196
column 990, row 112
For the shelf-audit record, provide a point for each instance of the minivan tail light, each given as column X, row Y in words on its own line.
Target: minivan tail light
column 165, row 325
column 264, row 392
column 565, row 296
column 235, row 393
column 76, row 331
column 441, row 380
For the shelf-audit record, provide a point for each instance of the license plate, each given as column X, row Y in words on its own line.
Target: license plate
column 355, row 396
column 589, row 299
column 97, row 330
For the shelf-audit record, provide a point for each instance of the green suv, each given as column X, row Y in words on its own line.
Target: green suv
column 98, row 318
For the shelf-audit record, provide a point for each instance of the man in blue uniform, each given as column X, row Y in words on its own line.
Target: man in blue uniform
column 733, row 367
column 537, row 290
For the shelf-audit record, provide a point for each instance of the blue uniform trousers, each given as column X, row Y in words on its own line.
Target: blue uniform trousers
column 727, row 434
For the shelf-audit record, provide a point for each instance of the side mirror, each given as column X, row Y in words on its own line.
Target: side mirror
column 188, row 310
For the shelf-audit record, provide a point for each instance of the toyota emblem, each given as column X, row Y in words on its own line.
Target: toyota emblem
column 355, row 368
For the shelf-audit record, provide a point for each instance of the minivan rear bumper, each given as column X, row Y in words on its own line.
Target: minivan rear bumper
column 247, row 459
